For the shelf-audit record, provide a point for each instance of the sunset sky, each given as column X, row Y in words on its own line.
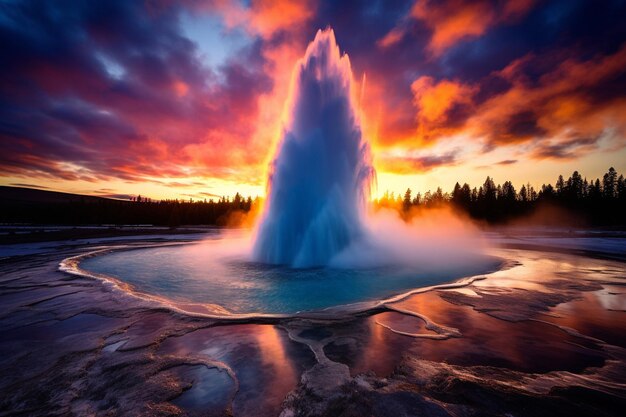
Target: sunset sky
column 180, row 99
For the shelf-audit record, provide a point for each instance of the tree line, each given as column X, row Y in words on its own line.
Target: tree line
column 600, row 202
column 138, row 211
column 597, row 202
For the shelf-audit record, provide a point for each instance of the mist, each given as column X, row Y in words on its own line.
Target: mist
column 320, row 179
column 430, row 239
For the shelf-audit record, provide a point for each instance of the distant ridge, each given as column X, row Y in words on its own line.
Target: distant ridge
column 29, row 206
column 32, row 195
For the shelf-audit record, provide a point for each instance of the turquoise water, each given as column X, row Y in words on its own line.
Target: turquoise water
column 215, row 272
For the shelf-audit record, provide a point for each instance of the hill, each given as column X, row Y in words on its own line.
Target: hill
column 32, row 195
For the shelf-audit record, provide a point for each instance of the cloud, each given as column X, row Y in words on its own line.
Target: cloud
column 263, row 17
column 269, row 16
column 573, row 103
column 452, row 21
column 394, row 36
column 507, row 162
column 521, row 43
column 114, row 90
column 564, row 150
column 205, row 194
column 439, row 104
column 567, row 110
column 415, row 164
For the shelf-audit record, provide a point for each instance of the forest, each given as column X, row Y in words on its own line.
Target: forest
column 86, row 210
column 599, row 202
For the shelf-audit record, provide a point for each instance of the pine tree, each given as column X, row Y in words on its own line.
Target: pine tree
column 609, row 183
column 560, row 186
column 406, row 203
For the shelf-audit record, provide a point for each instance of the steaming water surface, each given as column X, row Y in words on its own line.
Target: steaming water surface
column 217, row 272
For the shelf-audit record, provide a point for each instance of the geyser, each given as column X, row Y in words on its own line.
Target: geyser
column 320, row 178
column 314, row 216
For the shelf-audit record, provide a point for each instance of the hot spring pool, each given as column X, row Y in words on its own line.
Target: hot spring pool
column 214, row 272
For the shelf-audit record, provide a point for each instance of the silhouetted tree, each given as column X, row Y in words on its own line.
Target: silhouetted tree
column 406, row 202
column 621, row 188
column 595, row 190
column 489, row 190
column 462, row 196
column 508, row 191
column 609, row 183
column 523, row 194
column 417, row 200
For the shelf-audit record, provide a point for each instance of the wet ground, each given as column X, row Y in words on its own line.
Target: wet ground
column 545, row 336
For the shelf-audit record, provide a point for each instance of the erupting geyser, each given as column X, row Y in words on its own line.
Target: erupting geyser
column 320, row 178
column 315, row 215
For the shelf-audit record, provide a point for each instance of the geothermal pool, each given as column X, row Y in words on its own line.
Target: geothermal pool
column 314, row 247
column 216, row 272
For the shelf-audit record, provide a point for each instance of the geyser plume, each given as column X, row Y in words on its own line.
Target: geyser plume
column 320, row 178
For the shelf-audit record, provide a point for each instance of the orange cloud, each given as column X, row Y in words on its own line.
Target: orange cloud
column 567, row 112
column 564, row 113
column 566, row 105
column 395, row 35
column 264, row 17
column 269, row 16
column 434, row 102
column 454, row 20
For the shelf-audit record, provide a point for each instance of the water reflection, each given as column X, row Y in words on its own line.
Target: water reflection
column 266, row 362
column 211, row 389
column 599, row 314
column 596, row 309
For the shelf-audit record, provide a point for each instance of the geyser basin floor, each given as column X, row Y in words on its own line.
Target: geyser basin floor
column 212, row 273
column 546, row 337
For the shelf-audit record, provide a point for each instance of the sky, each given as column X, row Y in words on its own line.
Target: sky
column 185, row 98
